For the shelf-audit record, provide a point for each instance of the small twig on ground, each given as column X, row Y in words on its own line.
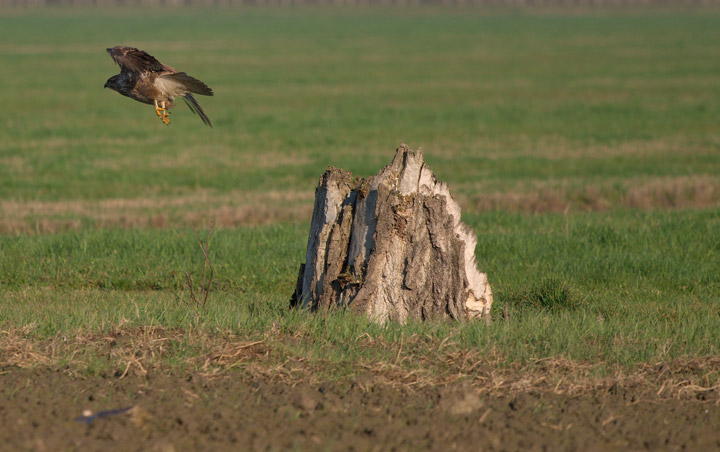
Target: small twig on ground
column 199, row 296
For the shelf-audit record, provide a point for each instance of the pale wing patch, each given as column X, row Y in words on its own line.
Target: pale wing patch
column 170, row 86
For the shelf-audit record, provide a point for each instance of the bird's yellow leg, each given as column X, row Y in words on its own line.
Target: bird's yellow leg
column 159, row 110
column 166, row 114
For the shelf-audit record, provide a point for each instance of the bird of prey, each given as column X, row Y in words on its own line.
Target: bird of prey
column 147, row 80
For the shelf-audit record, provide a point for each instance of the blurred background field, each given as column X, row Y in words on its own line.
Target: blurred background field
column 517, row 110
column 583, row 145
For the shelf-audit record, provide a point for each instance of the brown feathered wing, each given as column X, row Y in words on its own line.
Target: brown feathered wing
column 135, row 60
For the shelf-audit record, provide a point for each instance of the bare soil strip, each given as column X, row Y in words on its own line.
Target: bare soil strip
column 237, row 411
column 238, row 394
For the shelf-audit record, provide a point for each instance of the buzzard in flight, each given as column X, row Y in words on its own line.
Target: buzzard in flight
column 147, row 80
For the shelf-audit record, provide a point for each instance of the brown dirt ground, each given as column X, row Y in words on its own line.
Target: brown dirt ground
column 240, row 411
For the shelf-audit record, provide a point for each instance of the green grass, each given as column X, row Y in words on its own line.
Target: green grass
column 499, row 100
column 506, row 102
column 642, row 287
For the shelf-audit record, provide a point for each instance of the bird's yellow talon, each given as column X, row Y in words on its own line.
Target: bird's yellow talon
column 159, row 112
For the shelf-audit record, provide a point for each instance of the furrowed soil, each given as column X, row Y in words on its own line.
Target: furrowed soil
column 40, row 407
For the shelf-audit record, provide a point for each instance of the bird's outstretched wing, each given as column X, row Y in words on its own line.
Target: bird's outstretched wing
column 131, row 59
column 179, row 83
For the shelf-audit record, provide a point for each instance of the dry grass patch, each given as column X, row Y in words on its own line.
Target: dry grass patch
column 226, row 210
column 59, row 142
column 658, row 193
column 16, row 163
column 239, row 208
column 418, row 361
column 560, row 148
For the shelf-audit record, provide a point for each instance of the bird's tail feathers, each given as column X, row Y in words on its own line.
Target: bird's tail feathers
column 190, row 83
column 195, row 107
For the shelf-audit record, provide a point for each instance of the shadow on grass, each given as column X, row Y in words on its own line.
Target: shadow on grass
column 551, row 294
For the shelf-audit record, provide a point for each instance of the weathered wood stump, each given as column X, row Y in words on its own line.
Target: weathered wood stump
column 391, row 246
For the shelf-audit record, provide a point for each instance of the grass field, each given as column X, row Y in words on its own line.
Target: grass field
column 584, row 148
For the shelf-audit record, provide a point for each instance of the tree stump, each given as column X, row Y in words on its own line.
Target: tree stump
column 392, row 247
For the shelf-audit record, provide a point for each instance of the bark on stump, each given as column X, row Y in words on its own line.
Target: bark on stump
column 392, row 247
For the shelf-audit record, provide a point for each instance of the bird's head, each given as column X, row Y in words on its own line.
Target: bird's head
column 113, row 82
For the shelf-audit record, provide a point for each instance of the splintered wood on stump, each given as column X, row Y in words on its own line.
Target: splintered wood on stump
column 392, row 247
